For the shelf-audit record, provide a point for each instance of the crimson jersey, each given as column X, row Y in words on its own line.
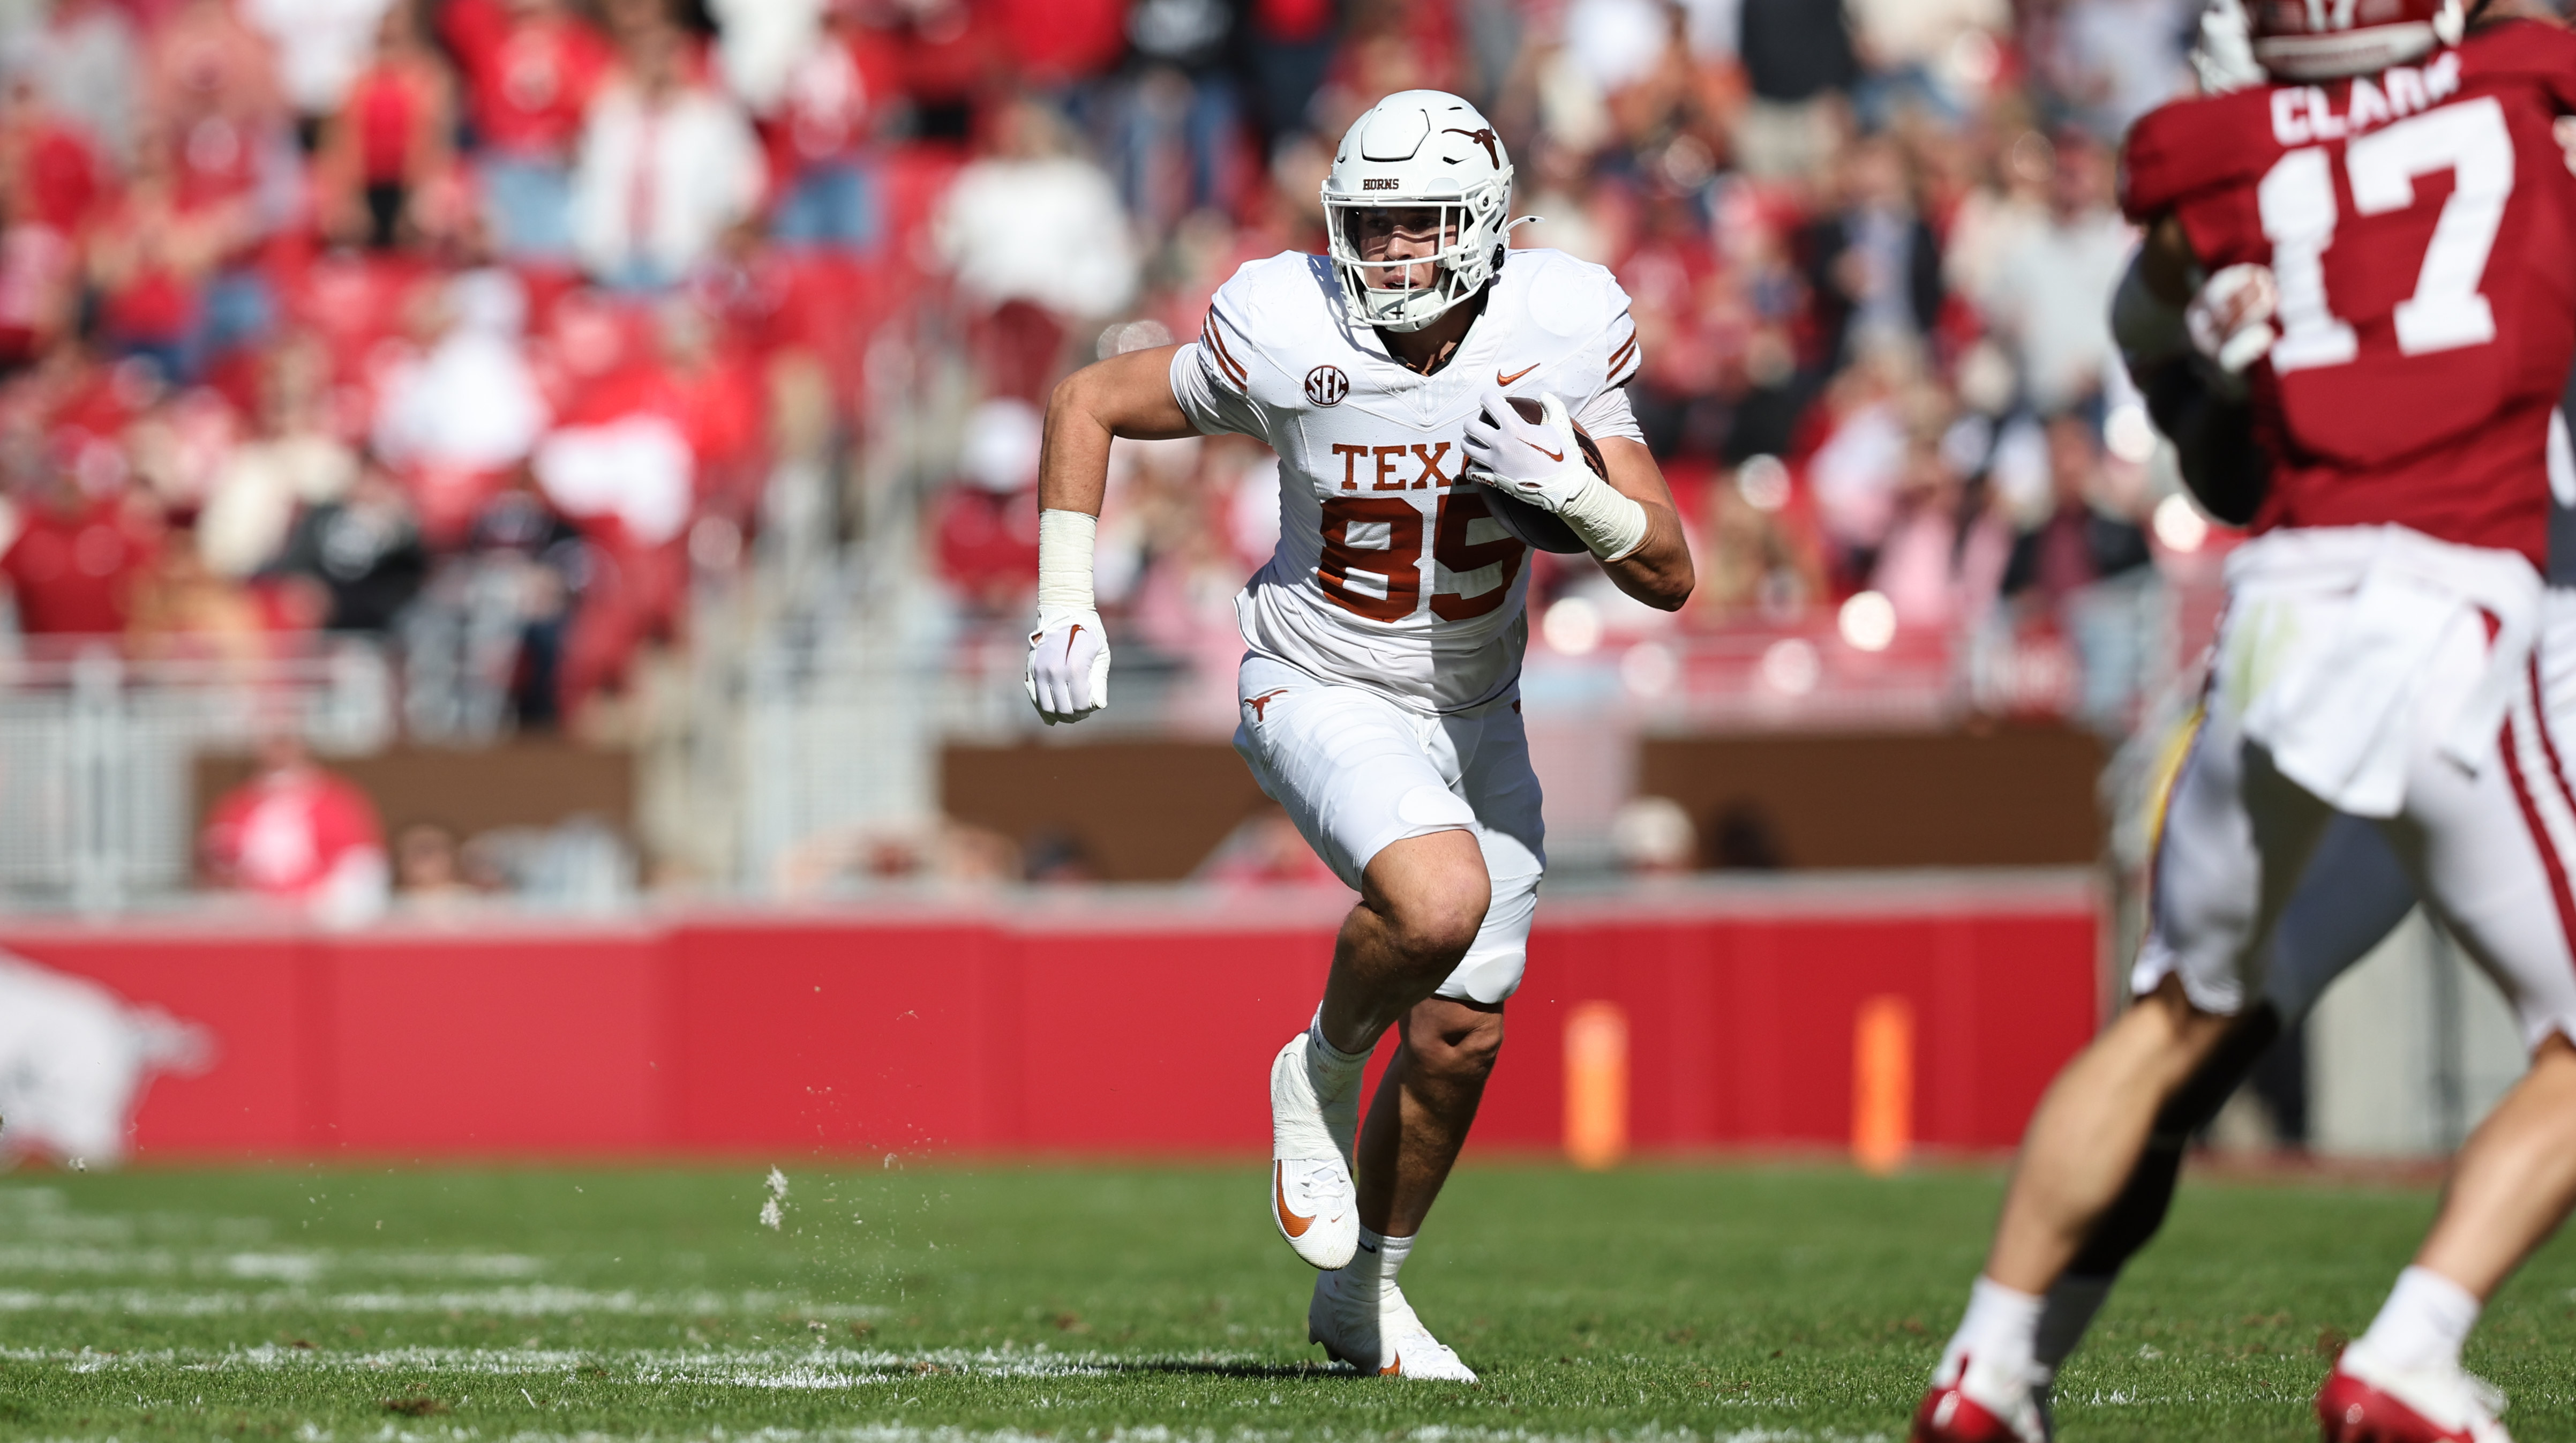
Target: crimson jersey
column 2421, row 225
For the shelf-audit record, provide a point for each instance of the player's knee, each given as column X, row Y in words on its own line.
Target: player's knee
column 1438, row 926
column 1433, row 897
column 1458, row 1048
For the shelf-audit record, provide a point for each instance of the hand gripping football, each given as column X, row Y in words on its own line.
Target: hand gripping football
column 1531, row 526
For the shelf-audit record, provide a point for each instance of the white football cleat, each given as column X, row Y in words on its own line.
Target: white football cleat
column 1312, row 1199
column 1381, row 1336
column 2366, row 1401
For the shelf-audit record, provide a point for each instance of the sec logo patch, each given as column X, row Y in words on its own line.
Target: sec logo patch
column 1326, row 385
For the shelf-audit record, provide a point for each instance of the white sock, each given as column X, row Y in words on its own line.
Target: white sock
column 1371, row 1271
column 2000, row 1329
column 1333, row 1071
column 2065, row 1316
column 2425, row 1320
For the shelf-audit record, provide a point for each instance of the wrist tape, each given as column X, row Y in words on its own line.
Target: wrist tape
column 1611, row 524
column 1065, row 541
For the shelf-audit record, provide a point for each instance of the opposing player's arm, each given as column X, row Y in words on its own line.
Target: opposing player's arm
column 1127, row 395
column 2186, row 341
column 1658, row 572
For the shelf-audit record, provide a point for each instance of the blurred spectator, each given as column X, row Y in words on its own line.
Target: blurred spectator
column 54, row 184
column 2049, row 293
column 2085, row 566
column 1036, row 240
column 578, row 864
column 2111, row 61
column 760, row 43
column 987, row 526
column 1654, row 837
column 1798, row 59
column 1264, row 849
column 429, row 873
column 1176, row 116
column 86, row 61
column 1742, row 837
column 1873, row 266
column 385, row 154
column 291, row 461
column 945, row 852
column 460, row 417
column 73, row 560
column 667, row 166
column 295, row 833
column 1939, row 53
column 363, row 549
column 1945, row 552
column 1054, row 855
column 823, row 131
column 530, row 69
column 154, row 263
column 1757, row 560
column 321, row 47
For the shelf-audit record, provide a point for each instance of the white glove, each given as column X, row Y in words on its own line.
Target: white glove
column 1533, row 461
column 2223, row 57
column 2231, row 319
column 1540, row 463
column 1068, row 673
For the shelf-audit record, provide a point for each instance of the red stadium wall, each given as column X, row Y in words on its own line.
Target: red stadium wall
column 1072, row 1024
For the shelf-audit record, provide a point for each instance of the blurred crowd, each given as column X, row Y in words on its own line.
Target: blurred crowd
column 485, row 325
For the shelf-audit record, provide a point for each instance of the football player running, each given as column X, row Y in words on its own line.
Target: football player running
column 1379, row 695
column 2355, row 891
column 2403, row 347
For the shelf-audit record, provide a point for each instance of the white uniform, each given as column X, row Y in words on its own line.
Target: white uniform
column 2378, row 673
column 1380, row 696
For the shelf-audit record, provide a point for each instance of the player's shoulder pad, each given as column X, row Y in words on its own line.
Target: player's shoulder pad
column 2521, row 48
column 1266, row 302
column 2199, row 143
column 1562, row 296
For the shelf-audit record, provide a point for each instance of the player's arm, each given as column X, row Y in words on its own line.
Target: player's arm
column 1128, row 395
column 1658, row 572
column 2187, row 342
column 1624, row 516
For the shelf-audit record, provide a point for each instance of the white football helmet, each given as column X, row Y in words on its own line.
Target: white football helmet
column 1423, row 148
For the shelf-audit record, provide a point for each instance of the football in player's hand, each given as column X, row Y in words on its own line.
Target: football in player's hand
column 1539, row 529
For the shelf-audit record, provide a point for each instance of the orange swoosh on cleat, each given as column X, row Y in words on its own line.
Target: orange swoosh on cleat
column 1289, row 1222
column 1392, row 1370
column 1502, row 380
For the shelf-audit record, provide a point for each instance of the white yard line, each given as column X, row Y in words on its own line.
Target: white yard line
column 527, row 1302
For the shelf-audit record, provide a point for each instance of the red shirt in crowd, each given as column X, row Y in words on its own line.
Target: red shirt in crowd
column 527, row 80
column 288, row 832
column 73, row 570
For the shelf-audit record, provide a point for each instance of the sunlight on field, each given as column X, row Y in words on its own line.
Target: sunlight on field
column 890, row 1303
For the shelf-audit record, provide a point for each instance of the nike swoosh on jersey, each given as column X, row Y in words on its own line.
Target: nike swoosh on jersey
column 1295, row 1225
column 1502, row 380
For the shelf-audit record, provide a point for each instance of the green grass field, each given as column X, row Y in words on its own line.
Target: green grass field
column 1752, row 1302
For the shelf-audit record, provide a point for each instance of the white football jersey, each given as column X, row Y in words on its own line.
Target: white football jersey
column 1389, row 573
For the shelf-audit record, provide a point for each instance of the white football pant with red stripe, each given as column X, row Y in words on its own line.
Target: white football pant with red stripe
column 2486, row 832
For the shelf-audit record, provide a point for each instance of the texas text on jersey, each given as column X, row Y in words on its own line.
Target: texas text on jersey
column 1390, row 574
column 2417, row 222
